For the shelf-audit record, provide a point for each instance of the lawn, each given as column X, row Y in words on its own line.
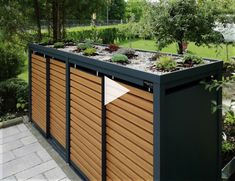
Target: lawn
column 204, row 51
column 212, row 52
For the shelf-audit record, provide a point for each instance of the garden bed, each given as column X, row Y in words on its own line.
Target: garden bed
column 161, row 126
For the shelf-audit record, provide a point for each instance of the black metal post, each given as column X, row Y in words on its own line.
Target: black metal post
column 103, row 131
column 158, row 94
column 67, row 111
column 30, row 82
column 47, row 97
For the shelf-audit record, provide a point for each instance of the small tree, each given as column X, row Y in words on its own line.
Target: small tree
column 180, row 21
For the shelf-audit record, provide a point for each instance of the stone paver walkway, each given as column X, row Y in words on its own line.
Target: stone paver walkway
column 26, row 155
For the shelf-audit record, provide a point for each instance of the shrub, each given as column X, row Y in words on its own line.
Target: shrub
column 166, row 63
column 11, row 61
column 59, row 45
column 13, row 95
column 192, row 59
column 120, row 58
column 227, row 146
column 89, row 52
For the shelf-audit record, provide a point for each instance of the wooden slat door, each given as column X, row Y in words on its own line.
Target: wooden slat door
column 130, row 136
column 39, row 91
column 85, row 96
column 58, row 101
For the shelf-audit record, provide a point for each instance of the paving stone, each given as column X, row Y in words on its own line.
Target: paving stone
column 22, row 127
column 18, row 165
column 55, row 174
column 8, row 131
column 34, row 171
column 37, row 178
column 11, row 178
column 15, row 137
column 6, row 156
column 66, row 179
column 27, row 149
column 28, row 140
column 10, row 146
column 44, row 155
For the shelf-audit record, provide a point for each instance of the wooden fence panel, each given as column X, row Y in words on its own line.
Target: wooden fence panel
column 130, row 136
column 85, row 94
column 39, row 91
column 58, row 101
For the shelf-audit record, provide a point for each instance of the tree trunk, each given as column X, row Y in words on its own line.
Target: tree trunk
column 180, row 47
column 63, row 19
column 55, row 20
column 38, row 18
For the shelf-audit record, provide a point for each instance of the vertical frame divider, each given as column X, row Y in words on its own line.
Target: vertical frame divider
column 103, row 107
column 30, row 82
column 47, row 97
column 67, row 111
column 158, row 96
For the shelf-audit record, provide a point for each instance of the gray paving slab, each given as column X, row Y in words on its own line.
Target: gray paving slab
column 26, row 155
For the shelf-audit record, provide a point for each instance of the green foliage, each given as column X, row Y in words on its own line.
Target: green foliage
column 191, row 58
column 59, row 45
column 166, row 63
column 107, row 35
column 89, row 52
column 117, row 9
column 13, row 95
column 84, row 46
column 227, row 146
column 135, row 7
column 229, row 118
column 129, row 52
column 184, row 20
column 11, row 61
column 120, row 58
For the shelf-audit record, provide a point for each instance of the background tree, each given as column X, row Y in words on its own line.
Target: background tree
column 180, row 21
column 117, row 9
column 135, row 7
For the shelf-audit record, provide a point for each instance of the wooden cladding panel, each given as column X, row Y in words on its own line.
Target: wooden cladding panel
column 130, row 136
column 85, row 95
column 39, row 91
column 58, row 101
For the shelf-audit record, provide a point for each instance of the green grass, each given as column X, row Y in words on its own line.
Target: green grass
column 204, row 51
column 212, row 52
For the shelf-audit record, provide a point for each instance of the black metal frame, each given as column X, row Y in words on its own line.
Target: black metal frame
column 160, row 84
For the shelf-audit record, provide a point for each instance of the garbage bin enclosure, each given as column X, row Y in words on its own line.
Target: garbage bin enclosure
column 160, row 127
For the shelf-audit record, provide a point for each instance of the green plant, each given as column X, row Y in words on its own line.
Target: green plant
column 85, row 45
column 227, row 146
column 229, row 118
column 120, row 58
column 129, row 52
column 89, row 52
column 13, row 95
column 11, row 61
column 59, row 45
column 166, row 63
column 192, row 59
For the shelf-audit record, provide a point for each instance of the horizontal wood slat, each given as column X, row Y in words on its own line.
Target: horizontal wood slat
column 85, row 94
column 129, row 138
column 38, row 93
column 58, row 101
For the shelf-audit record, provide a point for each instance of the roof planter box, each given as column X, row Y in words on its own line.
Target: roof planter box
column 154, row 126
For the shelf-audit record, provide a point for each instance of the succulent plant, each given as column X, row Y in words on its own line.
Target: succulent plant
column 112, row 48
column 166, row 63
column 89, row 52
column 59, row 45
column 130, row 53
column 84, row 46
column 192, row 59
column 120, row 58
